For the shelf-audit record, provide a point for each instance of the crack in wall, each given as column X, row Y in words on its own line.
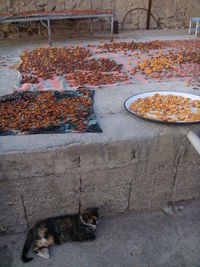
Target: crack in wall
column 25, row 212
column 79, row 161
column 80, row 185
column 133, row 156
column 129, row 194
column 178, row 164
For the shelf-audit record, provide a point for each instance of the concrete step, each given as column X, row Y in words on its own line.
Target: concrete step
column 127, row 240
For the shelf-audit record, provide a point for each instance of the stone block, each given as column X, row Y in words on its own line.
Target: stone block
column 45, row 206
column 91, row 157
column 50, row 196
column 160, row 198
column 120, row 153
column 163, row 147
column 41, row 197
column 140, row 198
column 160, row 173
column 66, row 159
column 36, row 164
column 27, row 164
column 117, row 154
column 98, row 156
column 12, row 216
column 187, row 182
column 108, row 189
column 8, row 167
column 186, row 187
column 151, row 181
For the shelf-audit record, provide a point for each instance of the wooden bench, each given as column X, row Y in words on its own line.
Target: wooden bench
column 197, row 28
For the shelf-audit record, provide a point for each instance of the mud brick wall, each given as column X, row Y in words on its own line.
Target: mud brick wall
column 170, row 13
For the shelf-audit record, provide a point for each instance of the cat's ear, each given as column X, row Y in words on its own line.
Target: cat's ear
column 95, row 210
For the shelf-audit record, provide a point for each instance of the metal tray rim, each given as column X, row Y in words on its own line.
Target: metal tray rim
column 160, row 121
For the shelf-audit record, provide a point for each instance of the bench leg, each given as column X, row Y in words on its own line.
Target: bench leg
column 39, row 29
column 49, row 31
column 112, row 27
column 190, row 26
column 197, row 26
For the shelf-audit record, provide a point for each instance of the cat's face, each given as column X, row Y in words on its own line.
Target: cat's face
column 91, row 216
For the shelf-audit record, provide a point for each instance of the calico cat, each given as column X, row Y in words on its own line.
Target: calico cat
column 78, row 227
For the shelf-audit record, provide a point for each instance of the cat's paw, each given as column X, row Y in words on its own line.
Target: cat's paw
column 44, row 253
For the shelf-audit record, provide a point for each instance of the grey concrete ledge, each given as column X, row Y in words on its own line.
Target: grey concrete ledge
column 132, row 165
column 115, row 121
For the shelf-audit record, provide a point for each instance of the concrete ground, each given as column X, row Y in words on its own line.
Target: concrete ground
column 130, row 239
column 115, row 122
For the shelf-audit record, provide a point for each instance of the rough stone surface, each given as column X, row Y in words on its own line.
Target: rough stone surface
column 170, row 13
column 12, row 212
column 183, row 187
column 130, row 239
column 36, row 185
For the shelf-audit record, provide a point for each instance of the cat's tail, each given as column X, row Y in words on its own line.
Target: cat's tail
column 27, row 246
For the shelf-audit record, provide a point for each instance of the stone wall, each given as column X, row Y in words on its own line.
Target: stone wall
column 170, row 13
column 115, row 176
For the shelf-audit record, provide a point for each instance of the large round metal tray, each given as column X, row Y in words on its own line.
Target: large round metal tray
column 133, row 98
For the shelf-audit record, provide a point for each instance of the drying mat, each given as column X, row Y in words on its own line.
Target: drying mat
column 30, row 112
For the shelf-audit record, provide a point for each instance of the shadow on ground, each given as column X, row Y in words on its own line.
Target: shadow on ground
column 130, row 239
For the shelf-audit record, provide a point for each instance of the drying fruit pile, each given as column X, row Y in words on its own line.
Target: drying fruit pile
column 167, row 108
column 132, row 46
column 47, row 62
column 75, row 63
column 96, row 78
column 101, row 64
column 157, row 59
column 183, row 44
column 170, row 64
column 153, row 60
column 47, row 111
column 147, row 46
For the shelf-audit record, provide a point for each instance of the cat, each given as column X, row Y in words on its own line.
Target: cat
column 57, row 230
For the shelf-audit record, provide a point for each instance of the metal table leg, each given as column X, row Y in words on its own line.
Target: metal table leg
column 112, row 26
column 49, row 30
column 190, row 26
column 197, row 27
